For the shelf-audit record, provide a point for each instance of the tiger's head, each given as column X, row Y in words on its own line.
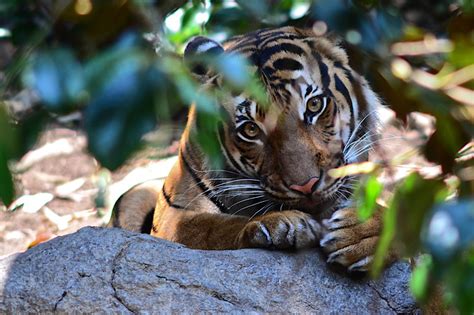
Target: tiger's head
column 321, row 114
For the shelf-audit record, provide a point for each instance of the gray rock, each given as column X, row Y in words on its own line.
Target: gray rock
column 114, row 271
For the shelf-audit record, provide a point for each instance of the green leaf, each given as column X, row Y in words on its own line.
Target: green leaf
column 123, row 109
column 404, row 217
column 388, row 233
column 256, row 8
column 8, row 147
column 420, row 278
column 413, row 200
column 28, row 130
column 231, row 19
column 207, row 124
column 461, row 56
column 7, row 191
column 234, row 68
column 368, row 194
column 457, row 277
column 57, row 77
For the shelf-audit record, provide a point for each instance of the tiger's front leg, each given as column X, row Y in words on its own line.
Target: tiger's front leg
column 350, row 242
column 282, row 230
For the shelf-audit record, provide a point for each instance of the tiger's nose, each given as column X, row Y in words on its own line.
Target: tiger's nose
column 306, row 188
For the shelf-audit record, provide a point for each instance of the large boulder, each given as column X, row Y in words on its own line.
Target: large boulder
column 115, row 271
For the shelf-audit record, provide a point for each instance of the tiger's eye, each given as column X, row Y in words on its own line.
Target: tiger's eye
column 251, row 130
column 314, row 104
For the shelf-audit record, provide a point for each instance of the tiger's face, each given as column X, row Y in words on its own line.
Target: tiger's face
column 319, row 117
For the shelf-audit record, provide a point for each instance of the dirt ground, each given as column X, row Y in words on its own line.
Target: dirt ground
column 61, row 181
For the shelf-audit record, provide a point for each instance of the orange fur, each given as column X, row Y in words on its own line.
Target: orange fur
column 187, row 210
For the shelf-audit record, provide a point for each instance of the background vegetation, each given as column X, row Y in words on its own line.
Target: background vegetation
column 97, row 57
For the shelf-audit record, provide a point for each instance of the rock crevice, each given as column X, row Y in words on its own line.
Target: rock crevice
column 114, row 265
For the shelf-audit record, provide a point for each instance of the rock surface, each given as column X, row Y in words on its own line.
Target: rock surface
column 115, row 271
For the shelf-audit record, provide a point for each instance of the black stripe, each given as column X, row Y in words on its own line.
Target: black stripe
column 255, row 60
column 244, row 161
column 240, row 118
column 245, row 105
column 308, row 117
column 309, row 89
column 268, row 39
column 286, row 96
column 203, row 186
column 297, row 50
column 337, row 181
column 270, row 33
column 264, row 39
column 227, row 153
column 361, row 101
column 334, row 110
column 268, row 71
column 323, row 68
column 168, row 199
column 147, row 224
column 287, row 64
column 342, row 88
column 347, row 72
column 268, row 52
column 242, row 50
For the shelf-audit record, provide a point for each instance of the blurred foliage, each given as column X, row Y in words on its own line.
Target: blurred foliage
column 367, row 193
column 91, row 56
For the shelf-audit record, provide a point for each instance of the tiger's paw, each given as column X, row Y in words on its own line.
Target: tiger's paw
column 282, row 230
column 349, row 242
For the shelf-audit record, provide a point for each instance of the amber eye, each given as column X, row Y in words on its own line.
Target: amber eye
column 250, row 130
column 315, row 104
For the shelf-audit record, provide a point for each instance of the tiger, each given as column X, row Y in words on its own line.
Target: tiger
column 273, row 188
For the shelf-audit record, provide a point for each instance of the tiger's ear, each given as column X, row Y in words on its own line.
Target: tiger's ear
column 198, row 54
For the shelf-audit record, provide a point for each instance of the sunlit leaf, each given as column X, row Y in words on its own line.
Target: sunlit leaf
column 461, row 56
column 189, row 16
column 420, row 278
column 367, row 197
column 101, row 181
column 386, row 237
column 353, row 169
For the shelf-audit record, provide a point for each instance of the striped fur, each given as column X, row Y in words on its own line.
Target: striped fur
column 322, row 115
